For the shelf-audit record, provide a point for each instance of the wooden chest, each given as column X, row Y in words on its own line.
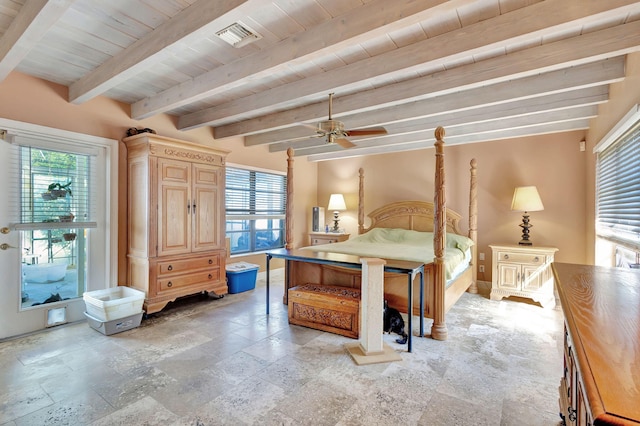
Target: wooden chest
column 328, row 308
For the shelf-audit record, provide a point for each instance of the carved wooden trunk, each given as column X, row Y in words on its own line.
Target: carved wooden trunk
column 328, row 308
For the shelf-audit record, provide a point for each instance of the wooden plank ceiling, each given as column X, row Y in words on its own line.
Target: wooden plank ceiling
column 484, row 69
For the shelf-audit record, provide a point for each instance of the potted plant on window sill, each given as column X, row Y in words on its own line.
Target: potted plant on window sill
column 57, row 190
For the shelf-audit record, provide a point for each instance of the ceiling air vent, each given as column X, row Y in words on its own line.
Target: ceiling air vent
column 238, row 35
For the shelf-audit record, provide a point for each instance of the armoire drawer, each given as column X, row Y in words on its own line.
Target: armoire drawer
column 187, row 265
column 172, row 283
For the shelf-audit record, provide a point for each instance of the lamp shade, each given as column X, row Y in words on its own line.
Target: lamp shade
column 526, row 199
column 336, row 202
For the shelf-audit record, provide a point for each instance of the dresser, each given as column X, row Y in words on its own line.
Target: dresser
column 176, row 228
column 317, row 238
column 523, row 271
column 601, row 377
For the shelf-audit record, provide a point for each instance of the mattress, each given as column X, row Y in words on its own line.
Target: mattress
column 403, row 244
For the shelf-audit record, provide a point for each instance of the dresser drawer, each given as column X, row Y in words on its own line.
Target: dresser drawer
column 528, row 258
column 187, row 265
column 173, row 283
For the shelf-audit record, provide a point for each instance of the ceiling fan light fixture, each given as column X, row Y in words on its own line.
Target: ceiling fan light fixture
column 335, row 133
column 238, row 34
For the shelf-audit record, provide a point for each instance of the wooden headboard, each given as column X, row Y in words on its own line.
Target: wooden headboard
column 414, row 215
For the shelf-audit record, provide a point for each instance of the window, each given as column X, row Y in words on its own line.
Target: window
column 618, row 188
column 53, row 211
column 255, row 208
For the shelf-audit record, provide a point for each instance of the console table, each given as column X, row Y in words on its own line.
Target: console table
column 601, row 382
column 411, row 269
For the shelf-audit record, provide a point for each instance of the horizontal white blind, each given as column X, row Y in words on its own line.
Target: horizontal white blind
column 253, row 194
column 53, row 188
column 618, row 188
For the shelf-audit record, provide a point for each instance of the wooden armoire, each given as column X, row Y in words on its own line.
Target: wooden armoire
column 176, row 218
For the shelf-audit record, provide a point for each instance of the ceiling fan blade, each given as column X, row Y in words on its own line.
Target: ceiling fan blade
column 366, row 132
column 345, row 143
column 313, row 127
column 301, row 138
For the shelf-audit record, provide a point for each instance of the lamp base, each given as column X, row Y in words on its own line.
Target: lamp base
column 525, row 225
column 336, row 220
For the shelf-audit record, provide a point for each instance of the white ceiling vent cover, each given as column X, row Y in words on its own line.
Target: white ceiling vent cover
column 238, row 34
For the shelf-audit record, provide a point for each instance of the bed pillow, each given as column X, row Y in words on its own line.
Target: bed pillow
column 405, row 236
column 459, row 241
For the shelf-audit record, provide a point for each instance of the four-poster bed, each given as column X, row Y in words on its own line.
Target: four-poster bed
column 407, row 222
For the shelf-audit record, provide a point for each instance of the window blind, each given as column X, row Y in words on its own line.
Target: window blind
column 618, row 188
column 52, row 188
column 253, row 194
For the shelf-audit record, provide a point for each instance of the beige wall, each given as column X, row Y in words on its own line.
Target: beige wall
column 32, row 100
column 553, row 163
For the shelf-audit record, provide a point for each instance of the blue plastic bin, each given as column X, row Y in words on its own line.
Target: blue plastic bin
column 241, row 276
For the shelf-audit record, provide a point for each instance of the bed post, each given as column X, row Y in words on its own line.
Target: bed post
column 361, row 202
column 473, row 224
column 288, row 217
column 439, row 328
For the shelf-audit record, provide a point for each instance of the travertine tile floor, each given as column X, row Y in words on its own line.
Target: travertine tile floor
column 223, row 362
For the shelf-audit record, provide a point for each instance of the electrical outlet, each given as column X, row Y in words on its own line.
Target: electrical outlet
column 481, row 256
column 481, row 268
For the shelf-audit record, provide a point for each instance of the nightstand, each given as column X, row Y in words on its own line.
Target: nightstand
column 523, row 271
column 327, row 237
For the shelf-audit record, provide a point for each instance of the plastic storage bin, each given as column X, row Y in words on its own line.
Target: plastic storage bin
column 113, row 303
column 114, row 326
column 241, row 276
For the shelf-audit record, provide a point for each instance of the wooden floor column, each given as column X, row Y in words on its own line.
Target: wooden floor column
column 473, row 223
column 439, row 328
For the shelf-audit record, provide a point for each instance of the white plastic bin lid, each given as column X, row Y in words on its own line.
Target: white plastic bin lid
column 241, row 266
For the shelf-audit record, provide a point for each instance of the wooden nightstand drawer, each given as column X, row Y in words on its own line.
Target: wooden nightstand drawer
column 317, row 238
column 315, row 241
column 533, row 259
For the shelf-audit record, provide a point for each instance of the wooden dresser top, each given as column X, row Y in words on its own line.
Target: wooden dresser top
column 602, row 311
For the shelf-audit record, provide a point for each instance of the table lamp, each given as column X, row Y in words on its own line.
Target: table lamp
column 337, row 204
column 526, row 199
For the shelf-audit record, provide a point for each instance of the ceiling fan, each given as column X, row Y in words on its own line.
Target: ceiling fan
column 335, row 132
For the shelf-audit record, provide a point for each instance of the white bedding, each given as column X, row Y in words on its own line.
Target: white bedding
column 403, row 244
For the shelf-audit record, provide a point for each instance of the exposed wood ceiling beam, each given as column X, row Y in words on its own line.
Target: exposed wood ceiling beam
column 555, row 103
column 29, row 26
column 607, row 43
column 375, row 19
column 588, row 75
column 498, row 123
column 455, row 139
column 485, row 36
column 189, row 24
column 479, row 112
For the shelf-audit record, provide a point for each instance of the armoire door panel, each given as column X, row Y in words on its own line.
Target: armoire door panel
column 174, row 210
column 208, row 203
